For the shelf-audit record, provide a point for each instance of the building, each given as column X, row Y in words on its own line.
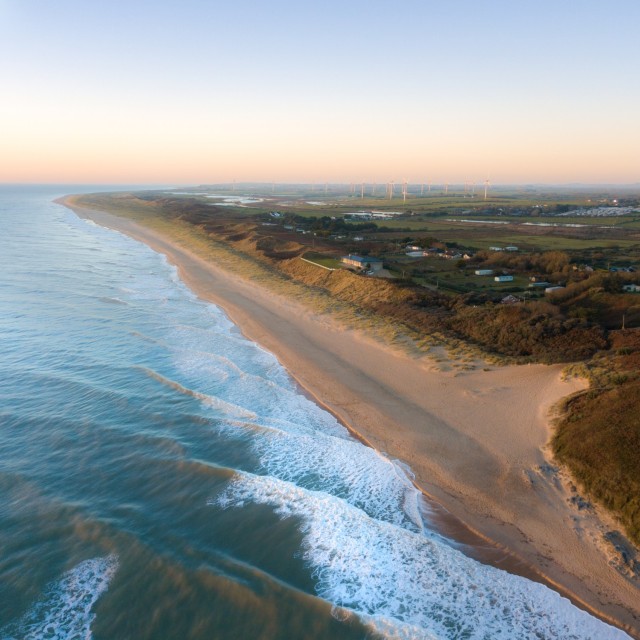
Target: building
column 511, row 248
column 360, row 262
column 503, row 278
column 484, row 272
column 631, row 288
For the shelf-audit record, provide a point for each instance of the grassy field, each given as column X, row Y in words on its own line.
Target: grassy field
column 322, row 260
column 483, row 236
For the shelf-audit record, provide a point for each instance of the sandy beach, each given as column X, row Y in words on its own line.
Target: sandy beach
column 475, row 440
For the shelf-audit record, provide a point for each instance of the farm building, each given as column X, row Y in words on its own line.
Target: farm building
column 503, row 278
column 360, row 262
column 552, row 289
column 484, row 272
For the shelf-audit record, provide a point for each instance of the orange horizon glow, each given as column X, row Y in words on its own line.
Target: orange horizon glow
column 78, row 161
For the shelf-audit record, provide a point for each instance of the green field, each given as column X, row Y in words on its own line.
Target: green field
column 322, row 260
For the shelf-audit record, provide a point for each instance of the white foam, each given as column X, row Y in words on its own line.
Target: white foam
column 214, row 363
column 407, row 585
column 301, row 442
column 344, row 468
column 64, row 612
column 221, row 406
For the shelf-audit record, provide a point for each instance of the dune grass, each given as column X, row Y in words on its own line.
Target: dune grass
column 599, row 441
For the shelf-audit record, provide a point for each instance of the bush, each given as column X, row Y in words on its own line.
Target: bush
column 599, row 441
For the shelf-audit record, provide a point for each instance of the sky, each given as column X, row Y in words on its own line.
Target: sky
column 192, row 92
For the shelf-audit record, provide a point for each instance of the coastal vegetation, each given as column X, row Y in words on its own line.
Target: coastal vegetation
column 599, row 436
column 585, row 317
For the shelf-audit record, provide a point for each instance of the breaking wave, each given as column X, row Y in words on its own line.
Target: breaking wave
column 64, row 611
column 406, row 585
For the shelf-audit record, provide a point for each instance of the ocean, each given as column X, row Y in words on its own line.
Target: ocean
column 163, row 477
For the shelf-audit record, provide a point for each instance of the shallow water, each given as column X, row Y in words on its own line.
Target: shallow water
column 163, row 477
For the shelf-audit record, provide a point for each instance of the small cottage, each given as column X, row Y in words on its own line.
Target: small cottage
column 362, row 262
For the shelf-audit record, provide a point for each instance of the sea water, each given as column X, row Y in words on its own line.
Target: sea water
column 163, row 477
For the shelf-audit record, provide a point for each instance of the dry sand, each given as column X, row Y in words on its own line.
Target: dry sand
column 476, row 441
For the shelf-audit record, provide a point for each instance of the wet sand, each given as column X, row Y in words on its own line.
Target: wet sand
column 476, row 440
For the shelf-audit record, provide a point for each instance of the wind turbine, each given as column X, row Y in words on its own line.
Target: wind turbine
column 486, row 187
column 404, row 190
column 391, row 184
column 362, row 191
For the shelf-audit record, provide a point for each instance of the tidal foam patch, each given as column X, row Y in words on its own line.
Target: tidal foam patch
column 407, row 585
column 64, row 611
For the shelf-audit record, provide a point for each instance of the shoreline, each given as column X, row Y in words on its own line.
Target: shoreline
column 475, row 441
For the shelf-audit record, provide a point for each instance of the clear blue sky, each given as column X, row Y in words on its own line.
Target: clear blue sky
column 196, row 91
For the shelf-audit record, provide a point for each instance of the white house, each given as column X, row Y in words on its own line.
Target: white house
column 360, row 262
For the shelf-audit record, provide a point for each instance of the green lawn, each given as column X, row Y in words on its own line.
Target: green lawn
column 323, row 260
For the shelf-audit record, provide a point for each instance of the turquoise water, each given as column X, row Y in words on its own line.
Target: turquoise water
column 162, row 477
